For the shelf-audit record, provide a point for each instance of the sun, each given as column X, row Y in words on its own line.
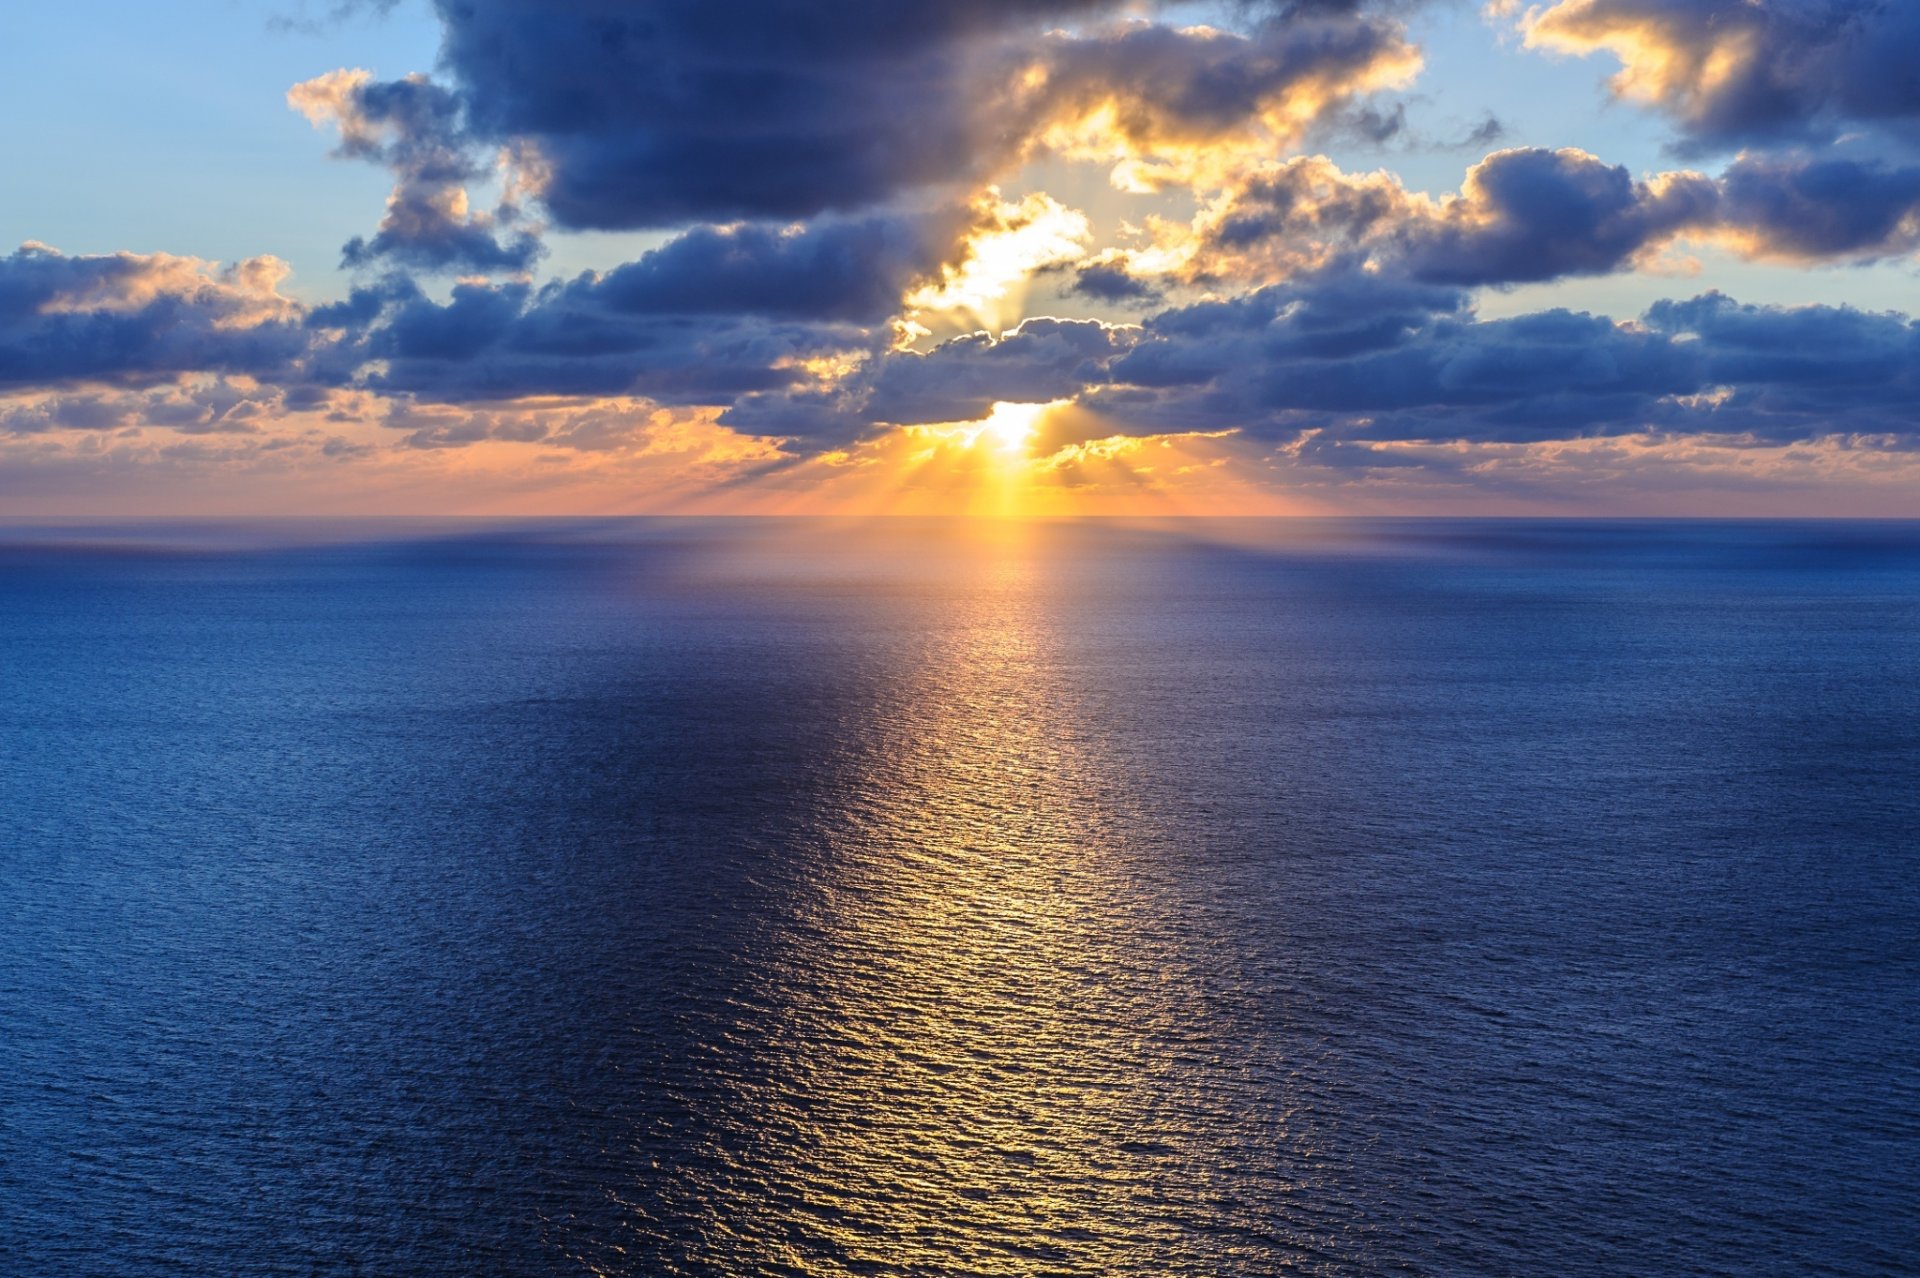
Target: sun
column 1010, row 427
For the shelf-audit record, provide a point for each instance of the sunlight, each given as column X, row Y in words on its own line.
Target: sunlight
column 1030, row 460
column 1010, row 428
column 989, row 283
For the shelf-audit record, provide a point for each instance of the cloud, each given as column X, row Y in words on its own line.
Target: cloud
column 1798, row 372
column 300, row 17
column 1357, row 361
column 1820, row 209
column 1534, row 215
column 852, row 269
column 960, row 380
column 1526, row 215
column 685, row 112
column 414, row 127
column 1739, row 72
column 65, row 412
column 1521, row 215
column 200, row 405
column 1007, row 243
column 509, row 341
column 1152, row 85
column 1110, row 281
column 716, row 313
column 1364, row 360
column 132, row 319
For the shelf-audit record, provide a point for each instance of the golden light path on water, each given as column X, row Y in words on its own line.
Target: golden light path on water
column 984, row 1042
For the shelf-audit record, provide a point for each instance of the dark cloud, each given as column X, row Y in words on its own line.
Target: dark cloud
column 1349, row 357
column 1817, row 209
column 507, row 341
column 717, row 313
column 219, row 408
column 1376, row 125
column 364, row 303
column 1528, row 215
column 1340, row 313
column 1538, row 215
column 817, row 417
column 209, row 407
column 1484, row 134
column 130, row 319
column 854, row 269
column 683, row 111
column 1522, row 215
column 441, row 430
column 1110, row 282
column 425, row 233
column 1812, row 346
column 416, row 128
column 300, row 16
column 1427, row 370
column 1736, row 72
column 1164, row 84
column 1343, row 322
column 66, row 412
column 961, row 380
column 1382, row 126
column 1798, row 372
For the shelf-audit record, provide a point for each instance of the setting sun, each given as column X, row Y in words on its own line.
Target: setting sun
column 1010, row 428
column 1103, row 637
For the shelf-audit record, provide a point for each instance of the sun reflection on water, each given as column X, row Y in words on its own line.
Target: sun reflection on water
column 981, row 1040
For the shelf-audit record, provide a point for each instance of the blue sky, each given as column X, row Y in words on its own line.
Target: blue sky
column 793, row 258
column 165, row 128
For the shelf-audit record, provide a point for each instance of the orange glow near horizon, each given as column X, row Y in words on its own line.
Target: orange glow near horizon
column 1025, row 460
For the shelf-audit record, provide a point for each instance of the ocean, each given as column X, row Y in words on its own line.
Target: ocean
column 708, row 897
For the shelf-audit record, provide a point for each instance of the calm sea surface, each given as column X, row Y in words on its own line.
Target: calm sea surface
column 659, row 898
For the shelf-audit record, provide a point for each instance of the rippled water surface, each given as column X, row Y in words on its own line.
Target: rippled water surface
column 716, row 898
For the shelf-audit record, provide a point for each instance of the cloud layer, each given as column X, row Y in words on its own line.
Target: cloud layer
column 836, row 197
column 1741, row 72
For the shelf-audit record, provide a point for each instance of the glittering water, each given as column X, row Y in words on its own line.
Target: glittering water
column 743, row 898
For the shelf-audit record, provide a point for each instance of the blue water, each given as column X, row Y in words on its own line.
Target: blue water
column 652, row 898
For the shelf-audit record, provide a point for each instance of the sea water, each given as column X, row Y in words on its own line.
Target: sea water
column 814, row 898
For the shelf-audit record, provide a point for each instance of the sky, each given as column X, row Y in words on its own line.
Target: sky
column 1007, row 257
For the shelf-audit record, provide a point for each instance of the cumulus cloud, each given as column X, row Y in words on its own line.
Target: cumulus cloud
column 827, row 175
column 1109, row 280
column 852, row 269
column 1521, row 215
column 717, row 313
column 1820, row 209
column 1150, row 85
column 1528, row 214
column 508, row 341
column 415, row 128
column 1735, row 72
column 688, row 111
column 685, row 112
column 1360, row 359
column 961, row 380
column 135, row 319
column 200, row 405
